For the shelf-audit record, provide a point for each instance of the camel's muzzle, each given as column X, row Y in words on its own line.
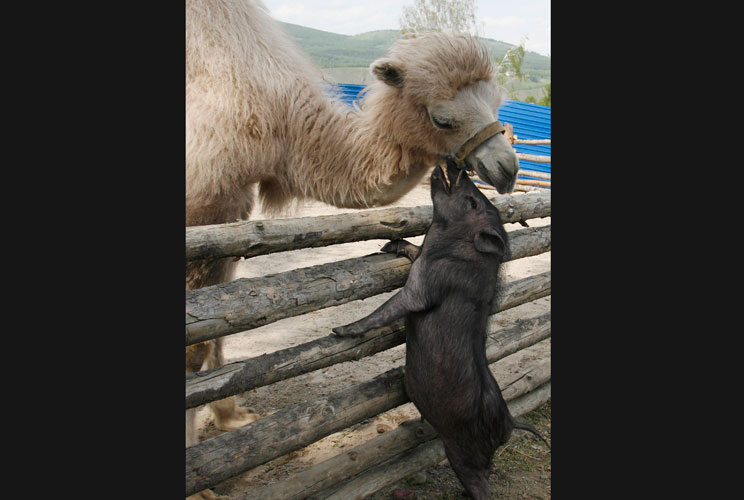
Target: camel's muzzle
column 479, row 138
column 491, row 156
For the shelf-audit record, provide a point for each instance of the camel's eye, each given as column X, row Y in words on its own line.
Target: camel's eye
column 442, row 123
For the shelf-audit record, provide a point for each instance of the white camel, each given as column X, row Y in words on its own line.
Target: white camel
column 256, row 113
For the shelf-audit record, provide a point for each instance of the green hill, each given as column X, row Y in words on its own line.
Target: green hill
column 331, row 50
column 346, row 59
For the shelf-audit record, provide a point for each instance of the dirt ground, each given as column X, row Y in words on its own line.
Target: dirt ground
column 521, row 470
column 522, row 467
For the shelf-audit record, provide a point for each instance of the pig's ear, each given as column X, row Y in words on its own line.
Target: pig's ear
column 490, row 241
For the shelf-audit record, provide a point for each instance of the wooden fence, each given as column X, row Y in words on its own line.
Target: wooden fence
column 543, row 179
column 247, row 303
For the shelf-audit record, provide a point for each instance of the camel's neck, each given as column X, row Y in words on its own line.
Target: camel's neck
column 347, row 158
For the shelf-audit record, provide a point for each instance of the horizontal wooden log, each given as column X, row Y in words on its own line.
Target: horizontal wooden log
column 224, row 456
column 246, row 303
column 217, row 459
column 530, row 401
column 324, row 475
column 535, row 158
column 525, row 332
column 373, row 478
column 534, row 173
column 533, row 182
column 240, row 376
column 410, row 461
column 252, row 238
column 376, row 478
column 531, row 189
column 530, row 376
column 520, row 399
column 533, row 142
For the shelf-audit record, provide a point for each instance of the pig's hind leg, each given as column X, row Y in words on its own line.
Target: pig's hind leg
column 402, row 248
column 470, row 467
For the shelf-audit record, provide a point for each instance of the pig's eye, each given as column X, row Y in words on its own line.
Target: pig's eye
column 473, row 203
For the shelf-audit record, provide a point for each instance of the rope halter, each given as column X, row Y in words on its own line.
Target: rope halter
column 479, row 138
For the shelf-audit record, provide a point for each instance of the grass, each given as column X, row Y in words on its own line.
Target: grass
column 521, row 469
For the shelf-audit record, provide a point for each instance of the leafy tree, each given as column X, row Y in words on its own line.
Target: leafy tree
column 459, row 15
column 439, row 15
column 509, row 69
column 545, row 101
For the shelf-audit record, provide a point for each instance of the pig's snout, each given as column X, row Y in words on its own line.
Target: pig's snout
column 439, row 176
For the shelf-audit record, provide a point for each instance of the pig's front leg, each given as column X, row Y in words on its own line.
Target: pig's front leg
column 396, row 307
column 402, row 248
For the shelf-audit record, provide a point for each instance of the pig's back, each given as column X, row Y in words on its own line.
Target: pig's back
column 445, row 357
column 448, row 379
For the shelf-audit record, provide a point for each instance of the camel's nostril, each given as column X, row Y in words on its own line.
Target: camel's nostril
column 509, row 166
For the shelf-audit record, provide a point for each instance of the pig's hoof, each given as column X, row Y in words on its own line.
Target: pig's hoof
column 393, row 246
column 401, row 248
column 351, row 330
column 344, row 331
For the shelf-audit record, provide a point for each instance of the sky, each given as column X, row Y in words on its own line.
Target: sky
column 505, row 20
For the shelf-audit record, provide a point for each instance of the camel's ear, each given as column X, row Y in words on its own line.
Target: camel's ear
column 387, row 71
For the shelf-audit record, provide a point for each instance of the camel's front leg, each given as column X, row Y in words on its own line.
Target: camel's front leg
column 228, row 416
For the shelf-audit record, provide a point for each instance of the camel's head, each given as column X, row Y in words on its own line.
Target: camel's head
column 443, row 87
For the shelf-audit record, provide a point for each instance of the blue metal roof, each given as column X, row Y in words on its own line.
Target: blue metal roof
column 346, row 92
column 530, row 121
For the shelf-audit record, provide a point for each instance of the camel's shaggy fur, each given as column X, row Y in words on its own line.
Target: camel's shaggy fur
column 256, row 114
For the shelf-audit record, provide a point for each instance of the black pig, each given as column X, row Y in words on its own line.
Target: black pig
column 446, row 301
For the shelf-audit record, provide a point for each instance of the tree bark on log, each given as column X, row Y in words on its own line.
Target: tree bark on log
column 533, row 182
column 252, row 238
column 531, row 189
column 407, row 463
column 534, row 173
column 328, row 476
column 246, row 303
column 404, row 438
column 240, row 376
column 535, row 158
column 403, row 465
column 532, row 141
column 528, row 402
column 217, row 459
